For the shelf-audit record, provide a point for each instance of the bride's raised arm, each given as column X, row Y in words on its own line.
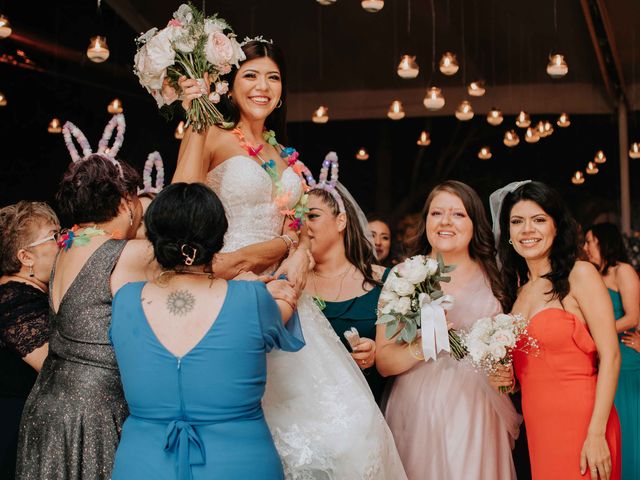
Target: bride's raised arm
column 193, row 164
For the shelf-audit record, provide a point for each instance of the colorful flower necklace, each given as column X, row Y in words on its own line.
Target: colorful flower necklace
column 79, row 236
column 290, row 155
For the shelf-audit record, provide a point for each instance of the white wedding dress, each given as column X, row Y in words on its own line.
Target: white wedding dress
column 323, row 418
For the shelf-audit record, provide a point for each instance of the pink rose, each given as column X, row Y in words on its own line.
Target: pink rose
column 222, row 88
column 218, row 50
column 214, row 97
column 225, row 69
column 174, row 23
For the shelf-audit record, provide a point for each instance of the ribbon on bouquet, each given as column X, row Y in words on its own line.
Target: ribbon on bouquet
column 435, row 333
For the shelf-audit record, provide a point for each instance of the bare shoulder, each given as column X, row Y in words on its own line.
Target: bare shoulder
column 583, row 272
column 625, row 273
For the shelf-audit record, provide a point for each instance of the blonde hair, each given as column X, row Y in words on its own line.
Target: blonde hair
column 19, row 224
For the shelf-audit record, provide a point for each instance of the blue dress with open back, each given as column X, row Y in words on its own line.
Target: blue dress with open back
column 199, row 416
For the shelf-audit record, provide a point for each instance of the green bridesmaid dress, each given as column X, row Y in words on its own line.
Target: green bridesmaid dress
column 361, row 313
column 627, row 401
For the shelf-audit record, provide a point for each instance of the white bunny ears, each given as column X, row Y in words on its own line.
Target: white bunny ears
column 153, row 160
column 327, row 182
column 70, row 131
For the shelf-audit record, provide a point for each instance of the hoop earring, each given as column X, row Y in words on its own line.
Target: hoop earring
column 279, row 104
column 31, row 273
column 510, row 242
column 188, row 258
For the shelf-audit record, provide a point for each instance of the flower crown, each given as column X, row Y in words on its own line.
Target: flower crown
column 258, row 38
column 326, row 182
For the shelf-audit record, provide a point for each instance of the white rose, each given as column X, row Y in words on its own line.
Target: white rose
column 212, row 25
column 148, row 35
column 503, row 320
column 403, row 306
column 498, row 352
column 477, row 350
column 402, row 286
column 182, row 40
column 219, row 50
column 505, row 337
column 389, row 307
column 149, row 78
column 238, row 54
column 387, row 296
column 153, row 59
column 214, row 97
column 413, row 269
column 184, row 14
column 432, row 266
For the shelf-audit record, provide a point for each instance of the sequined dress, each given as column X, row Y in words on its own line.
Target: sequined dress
column 73, row 417
column 323, row 418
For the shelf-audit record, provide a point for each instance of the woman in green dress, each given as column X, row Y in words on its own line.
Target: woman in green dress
column 605, row 249
column 345, row 283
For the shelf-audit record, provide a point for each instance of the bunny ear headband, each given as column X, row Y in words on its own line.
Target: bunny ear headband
column 153, row 160
column 70, row 131
column 327, row 182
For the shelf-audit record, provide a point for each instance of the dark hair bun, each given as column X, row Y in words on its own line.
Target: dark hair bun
column 185, row 220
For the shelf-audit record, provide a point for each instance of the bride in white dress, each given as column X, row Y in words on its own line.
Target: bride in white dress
column 323, row 418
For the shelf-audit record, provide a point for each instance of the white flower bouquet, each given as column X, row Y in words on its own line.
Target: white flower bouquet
column 190, row 45
column 412, row 299
column 491, row 341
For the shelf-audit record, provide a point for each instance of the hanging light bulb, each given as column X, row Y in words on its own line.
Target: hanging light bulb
column 425, row 139
column 476, row 89
column 320, row 115
column 3, row 100
column 540, row 129
column 600, row 157
column 449, row 64
column 98, row 51
column 408, row 68
column 634, row 151
column 523, row 120
column 578, row 178
column 494, row 117
column 5, row 27
column 511, row 138
column 396, row 110
column 433, row 99
column 54, row 126
column 557, row 66
column 115, row 106
column 372, row 6
column 326, row 2
column 531, row 136
column 362, row 154
column 179, row 133
column 464, row 111
column 563, row 120
column 592, row 168
column 484, row 153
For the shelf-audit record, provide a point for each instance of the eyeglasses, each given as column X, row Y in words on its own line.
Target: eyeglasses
column 54, row 236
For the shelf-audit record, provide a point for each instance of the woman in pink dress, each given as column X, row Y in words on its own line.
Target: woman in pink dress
column 447, row 421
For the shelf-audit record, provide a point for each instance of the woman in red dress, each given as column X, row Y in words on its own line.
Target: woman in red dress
column 568, row 382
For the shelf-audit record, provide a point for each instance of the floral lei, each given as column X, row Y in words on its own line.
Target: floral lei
column 290, row 155
column 79, row 236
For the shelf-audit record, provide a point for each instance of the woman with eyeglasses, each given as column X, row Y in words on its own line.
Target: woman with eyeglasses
column 27, row 251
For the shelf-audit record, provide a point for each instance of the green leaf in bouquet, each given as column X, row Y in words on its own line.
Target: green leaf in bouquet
column 391, row 329
column 386, row 318
column 409, row 332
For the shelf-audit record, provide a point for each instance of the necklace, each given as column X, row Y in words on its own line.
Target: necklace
column 290, row 155
column 79, row 236
column 321, row 302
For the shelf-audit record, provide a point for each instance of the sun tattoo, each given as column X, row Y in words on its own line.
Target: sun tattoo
column 180, row 303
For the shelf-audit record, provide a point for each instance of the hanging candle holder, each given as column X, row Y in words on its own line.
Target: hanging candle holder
column 523, row 120
column 464, row 112
column 563, row 120
column 485, row 153
column 55, row 126
column 396, row 110
column 5, row 27
column 362, row 154
column 408, row 68
column 449, row 64
column 494, row 117
column 433, row 99
column 320, row 115
column 476, row 89
column 425, row 139
column 600, row 157
column 634, row 150
column 98, row 51
column 372, row 6
column 557, row 66
column 592, row 168
column 531, row 136
column 511, row 138
column 115, row 107
column 578, row 178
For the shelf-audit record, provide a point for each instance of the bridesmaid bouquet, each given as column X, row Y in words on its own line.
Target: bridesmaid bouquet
column 190, row 45
column 412, row 299
column 491, row 341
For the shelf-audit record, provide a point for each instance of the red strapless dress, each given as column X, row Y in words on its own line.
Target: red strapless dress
column 558, row 382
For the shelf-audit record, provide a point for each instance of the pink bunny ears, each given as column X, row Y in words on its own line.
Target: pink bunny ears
column 70, row 131
column 327, row 182
column 153, row 160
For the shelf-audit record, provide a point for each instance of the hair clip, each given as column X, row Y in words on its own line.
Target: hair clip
column 188, row 258
column 153, row 160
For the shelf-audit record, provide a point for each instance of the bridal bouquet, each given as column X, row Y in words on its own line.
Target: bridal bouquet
column 491, row 341
column 190, row 45
column 412, row 299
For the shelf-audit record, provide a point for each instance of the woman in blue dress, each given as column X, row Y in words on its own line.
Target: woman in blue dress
column 192, row 353
column 605, row 249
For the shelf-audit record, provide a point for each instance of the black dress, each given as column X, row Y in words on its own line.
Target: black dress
column 23, row 328
column 73, row 417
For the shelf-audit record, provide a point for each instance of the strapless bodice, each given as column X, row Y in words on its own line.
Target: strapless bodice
column 247, row 193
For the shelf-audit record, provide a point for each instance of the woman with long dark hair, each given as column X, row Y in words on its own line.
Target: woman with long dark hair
column 446, row 419
column 605, row 248
column 568, row 382
column 324, row 420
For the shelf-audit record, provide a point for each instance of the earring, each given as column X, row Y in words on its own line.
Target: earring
column 130, row 216
column 279, row 104
column 510, row 242
column 31, row 274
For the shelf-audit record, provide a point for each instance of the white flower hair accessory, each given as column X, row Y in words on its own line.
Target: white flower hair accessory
column 153, row 160
column 70, row 131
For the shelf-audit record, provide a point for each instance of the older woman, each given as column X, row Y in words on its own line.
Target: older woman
column 27, row 251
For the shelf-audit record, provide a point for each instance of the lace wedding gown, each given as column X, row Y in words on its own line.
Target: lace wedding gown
column 323, row 418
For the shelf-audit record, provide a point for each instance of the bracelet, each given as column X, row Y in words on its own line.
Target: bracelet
column 416, row 353
column 293, row 243
column 287, row 241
